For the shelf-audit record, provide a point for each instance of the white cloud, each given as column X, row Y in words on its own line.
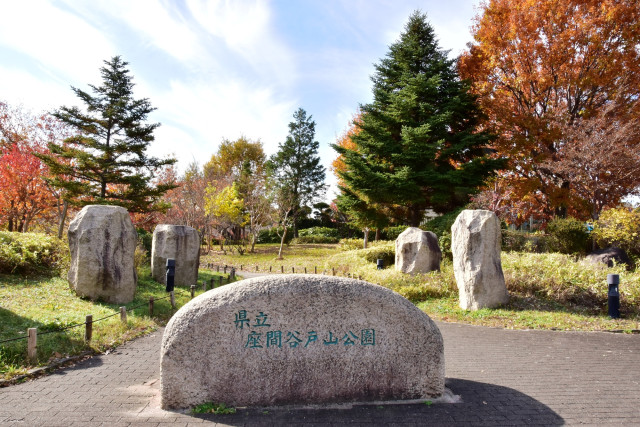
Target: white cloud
column 56, row 39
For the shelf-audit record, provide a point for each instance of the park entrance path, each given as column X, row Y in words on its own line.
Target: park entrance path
column 503, row 377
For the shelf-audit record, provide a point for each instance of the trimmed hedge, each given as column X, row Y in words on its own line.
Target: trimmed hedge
column 32, row 253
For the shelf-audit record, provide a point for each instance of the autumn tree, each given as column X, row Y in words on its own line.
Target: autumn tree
column 107, row 161
column 227, row 208
column 419, row 144
column 296, row 166
column 542, row 70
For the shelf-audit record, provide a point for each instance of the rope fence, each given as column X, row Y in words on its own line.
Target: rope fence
column 32, row 333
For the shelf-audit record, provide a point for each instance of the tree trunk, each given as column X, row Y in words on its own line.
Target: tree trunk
column 377, row 234
column 63, row 218
column 253, row 242
column 415, row 218
column 284, row 235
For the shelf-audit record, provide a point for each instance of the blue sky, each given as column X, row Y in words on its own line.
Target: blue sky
column 216, row 69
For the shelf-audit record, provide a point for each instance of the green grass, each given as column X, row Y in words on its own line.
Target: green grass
column 213, row 408
column 548, row 291
column 48, row 304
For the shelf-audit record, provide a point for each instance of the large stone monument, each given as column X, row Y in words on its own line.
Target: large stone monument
column 291, row 339
column 475, row 243
column 417, row 251
column 102, row 241
column 181, row 243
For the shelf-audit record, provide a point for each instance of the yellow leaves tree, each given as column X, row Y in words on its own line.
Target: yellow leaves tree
column 227, row 209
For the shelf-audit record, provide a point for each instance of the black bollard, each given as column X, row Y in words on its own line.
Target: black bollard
column 380, row 263
column 613, row 280
column 171, row 273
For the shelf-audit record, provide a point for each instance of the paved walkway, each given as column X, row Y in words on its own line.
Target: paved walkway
column 503, row 377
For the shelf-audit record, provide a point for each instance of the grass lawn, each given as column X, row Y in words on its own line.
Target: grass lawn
column 548, row 291
column 49, row 305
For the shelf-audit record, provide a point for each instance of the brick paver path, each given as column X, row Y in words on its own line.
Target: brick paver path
column 503, row 378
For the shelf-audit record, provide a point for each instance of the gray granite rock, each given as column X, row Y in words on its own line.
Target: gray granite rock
column 417, row 251
column 102, row 241
column 475, row 244
column 291, row 339
column 181, row 243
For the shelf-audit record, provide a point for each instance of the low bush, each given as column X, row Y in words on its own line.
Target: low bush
column 392, row 233
column 270, row 235
column 567, row 236
column 320, row 232
column 519, row 241
column 145, row 239
column 32, row 253
column 386, row 252
column 315, row 239
column 619, row 227
column 443, row 223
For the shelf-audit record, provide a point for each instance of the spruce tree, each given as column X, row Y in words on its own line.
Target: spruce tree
column 418, row 144
column 105, row 162
column 296, row 166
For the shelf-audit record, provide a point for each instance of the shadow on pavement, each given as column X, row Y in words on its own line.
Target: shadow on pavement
column 481, row 404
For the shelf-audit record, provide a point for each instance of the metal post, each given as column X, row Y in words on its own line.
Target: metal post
column 193, row 291
column 613, row 280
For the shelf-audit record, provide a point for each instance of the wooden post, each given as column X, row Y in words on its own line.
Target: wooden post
column 229, row 278
column 88, row 331
column 315, row 269
column 293, row 269
column 217, row 269
column 193, row 291
column 270, row 268
column 123, row 315
column 282, row 269
column 212, row 284
column 219, row 280
column 172, row 298
column 225, row 269
column 305, row 270
column 359, row 277
column 256, row 268
column 241, row 267
column 333, row 270
column 32, row 345
column 204, row 286
column 150, row 306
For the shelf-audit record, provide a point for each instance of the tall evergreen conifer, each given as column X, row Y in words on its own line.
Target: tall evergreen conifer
column 296, row 167
column 106, row 163
column 419, row 145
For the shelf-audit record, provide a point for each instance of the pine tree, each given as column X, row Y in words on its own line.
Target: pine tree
column 418, row 145
column 296, row 166
column 105, row 162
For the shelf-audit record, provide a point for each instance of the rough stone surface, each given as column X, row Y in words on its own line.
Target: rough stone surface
column 181, row 243
column 417, row 251
column 325, row 339
column 102, row 241
column 608, row 256
column 475, row 243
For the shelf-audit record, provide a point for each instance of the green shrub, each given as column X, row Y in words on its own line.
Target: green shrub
column 270, row 235
column 315, row 239
column 392, row 233
column 386, row 252
column 351, row 244
column 443, row 223
column 567, row 236
column 320, row 232
column 519, row 241
column 145, row 239
column 444, row 241
column 619, row 227
column 32, row 253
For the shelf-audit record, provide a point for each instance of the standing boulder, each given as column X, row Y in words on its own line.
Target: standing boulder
column 181, row 243
column 102, row 241
column 475, row 243
column 417, row 251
